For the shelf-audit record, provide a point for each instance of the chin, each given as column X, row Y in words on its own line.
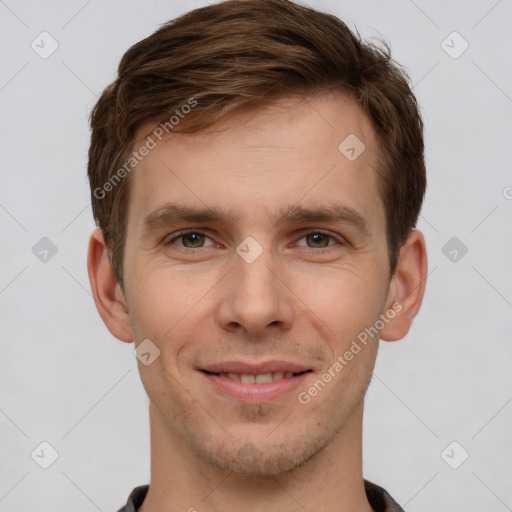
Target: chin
column 263, row 458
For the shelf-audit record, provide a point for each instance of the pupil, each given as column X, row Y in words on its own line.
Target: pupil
column 192, row 236
column 317, row 238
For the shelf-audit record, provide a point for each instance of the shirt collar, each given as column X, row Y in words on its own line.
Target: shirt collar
column 379, row 499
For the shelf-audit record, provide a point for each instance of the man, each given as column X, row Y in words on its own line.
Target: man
column 257, row 172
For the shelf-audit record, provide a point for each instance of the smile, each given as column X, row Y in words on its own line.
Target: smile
column 261, row 378
column 254, row 388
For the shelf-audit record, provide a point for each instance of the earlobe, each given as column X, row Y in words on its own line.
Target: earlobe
column 108, row 297
column 407, row 287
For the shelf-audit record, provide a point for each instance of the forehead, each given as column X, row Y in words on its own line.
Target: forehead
column 293, row 151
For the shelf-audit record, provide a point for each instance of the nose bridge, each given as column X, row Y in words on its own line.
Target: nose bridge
column 252, row 274
column 254, row 277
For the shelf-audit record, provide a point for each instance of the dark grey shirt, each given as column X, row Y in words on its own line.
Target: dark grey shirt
column 378, row 497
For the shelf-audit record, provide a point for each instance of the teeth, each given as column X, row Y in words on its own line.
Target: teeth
column 262, row 378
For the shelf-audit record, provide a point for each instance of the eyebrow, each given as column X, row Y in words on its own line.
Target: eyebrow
column 171, row 214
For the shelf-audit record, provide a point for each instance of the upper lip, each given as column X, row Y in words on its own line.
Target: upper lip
column 255, row 369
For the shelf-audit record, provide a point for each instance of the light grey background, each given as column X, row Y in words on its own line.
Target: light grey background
column 65, row 380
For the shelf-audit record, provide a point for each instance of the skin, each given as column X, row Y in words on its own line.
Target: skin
column 304, row 299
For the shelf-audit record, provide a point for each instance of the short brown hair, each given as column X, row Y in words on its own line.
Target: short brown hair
column 242, row 54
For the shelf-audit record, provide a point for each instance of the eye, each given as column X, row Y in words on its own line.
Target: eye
column 190, row 240
column 319, row 239
column 194, row 239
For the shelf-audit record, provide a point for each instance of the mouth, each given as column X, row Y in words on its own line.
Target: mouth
column 260, row 378
column 254, row 384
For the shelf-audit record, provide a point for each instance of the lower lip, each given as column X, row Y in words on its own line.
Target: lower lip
column 255, row 393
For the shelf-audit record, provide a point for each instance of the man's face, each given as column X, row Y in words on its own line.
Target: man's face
column 258, row 286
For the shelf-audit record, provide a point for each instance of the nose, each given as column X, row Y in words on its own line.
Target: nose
column 254, row 297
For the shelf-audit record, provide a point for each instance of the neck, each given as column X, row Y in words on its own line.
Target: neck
column 331, row 481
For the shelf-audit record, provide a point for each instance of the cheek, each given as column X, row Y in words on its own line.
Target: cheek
column 345, row 300
column 168, row 305
column 152, row 287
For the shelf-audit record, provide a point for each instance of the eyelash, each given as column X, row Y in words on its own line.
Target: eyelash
column 340, row 240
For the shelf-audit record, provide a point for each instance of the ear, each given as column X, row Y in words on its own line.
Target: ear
column 108, row 297
column 407, row 287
